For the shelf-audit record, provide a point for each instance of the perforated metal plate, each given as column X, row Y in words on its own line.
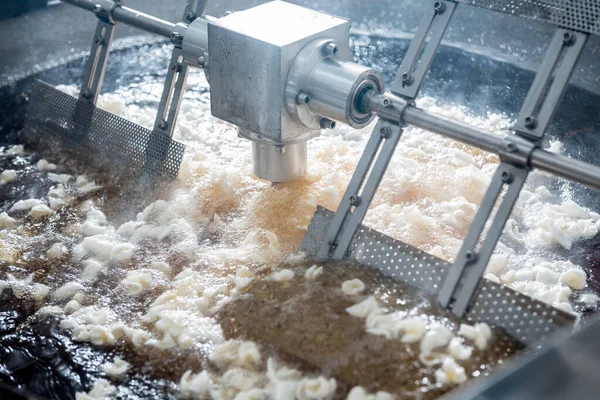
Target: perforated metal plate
column 124, row 148
column 524, row 318
column 580, row 15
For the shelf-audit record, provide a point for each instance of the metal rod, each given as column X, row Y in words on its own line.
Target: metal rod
column 556, row 164
column 132, row 17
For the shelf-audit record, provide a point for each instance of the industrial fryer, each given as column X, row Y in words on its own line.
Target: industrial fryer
column 521, row 82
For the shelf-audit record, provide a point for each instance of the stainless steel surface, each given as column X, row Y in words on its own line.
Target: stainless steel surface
column 94, row 69
column 325, row 82
column 547, row 90
column 556, row 164
column 132, row 17
column 279, row 163
column 526, row 319
column 195, row 43
column 251, row 53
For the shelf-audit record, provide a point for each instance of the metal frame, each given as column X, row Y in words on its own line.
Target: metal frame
column 95, row 66
column 168, row 108
column 536, row 113
column 386, row 135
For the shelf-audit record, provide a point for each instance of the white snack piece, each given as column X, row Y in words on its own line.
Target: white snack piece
column 67, row 291
column 283, row 275
column 195, row 385
column 101, row 390
column 574, row 278
column 437, row 336
column 450, row 373
column 122, row 252
column 92, row 268
column 6, row 221
column 137, row 281
column 364, row 308
column 313, row 273
column 352, row 287
column 480, row 334
column 41, row 211
column 315, row 388
column 117, row 368
column 23, row 205
column 7, row 176
column 236, row 353
column 413, row 329
column 59, row 178
column 16, row 150
column 243, row 277
column 44, row 165
column 459, row 351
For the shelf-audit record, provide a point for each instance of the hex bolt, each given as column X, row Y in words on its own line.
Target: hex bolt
column 385, row 132
column 569, row 38
column 175, row 67
column 98, row 40
column 470, row 256
column 326, row 123
column 302, row 98
column 163, row 124
column 506, row 176
column 279, row 149
column 97, row 9
column 511, row 147
column 176, row 38
column 354, row 200
column 407, row 79
column 439, row 7
column 530, row 122
column 87, row 94
column 386, row 102
column 329, row 49
column 201, row 61
column 190, row 16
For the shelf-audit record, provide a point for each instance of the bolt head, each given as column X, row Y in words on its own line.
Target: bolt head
column 407, row 79
column 506, row 176
column 280, row 149
column 385, row 132
column 329, row 49
column 163, row 124
column 386, row 102
column 354, row 200
column 569, row 38
column 98, row 40
column 439, row 7
column 470, row 256
column 326, row 123
column 302, row 98
column 176, row 38
column 97, row 9
column 190, row 16
column 530, row 122
column 511, row 147
column 201, row 61
column 87, row 94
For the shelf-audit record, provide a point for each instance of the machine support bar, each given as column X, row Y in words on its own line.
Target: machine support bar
column 168, row 108
column 96, row 64
column 466, row 272
column 545, row 93
column 351, row 198
column 557, row 164
column 128, row 16
column 417, row 60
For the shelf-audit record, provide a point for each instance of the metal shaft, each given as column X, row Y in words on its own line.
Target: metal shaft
column 131, row 17
column 556, row 164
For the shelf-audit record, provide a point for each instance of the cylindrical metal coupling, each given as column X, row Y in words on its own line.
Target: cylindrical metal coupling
column 195, row 43
column 334, row 88
column 325, row 83
column 277, row 163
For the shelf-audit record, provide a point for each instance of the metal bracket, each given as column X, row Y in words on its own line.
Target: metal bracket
column 386, row 135
column 355, row 203
column 417, row 60
column 543, row 97
column 96, row 64
column 168, row 108
column 466, row 272
column 536, row 113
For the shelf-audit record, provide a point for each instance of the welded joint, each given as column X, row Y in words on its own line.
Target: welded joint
column 104, row 9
